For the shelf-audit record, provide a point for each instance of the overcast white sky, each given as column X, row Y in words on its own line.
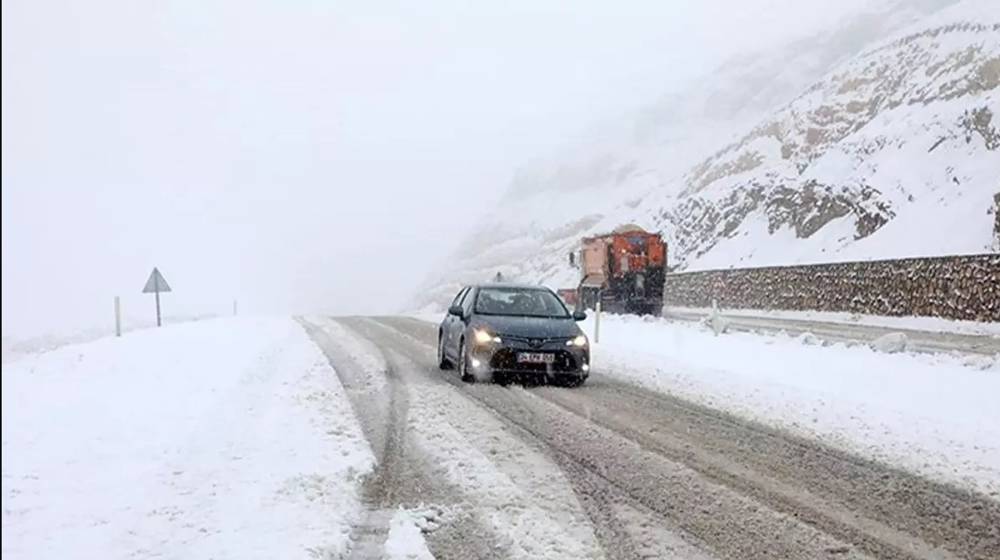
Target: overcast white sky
column 305, row 155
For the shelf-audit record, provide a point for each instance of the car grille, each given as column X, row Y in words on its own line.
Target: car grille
column 534, row 343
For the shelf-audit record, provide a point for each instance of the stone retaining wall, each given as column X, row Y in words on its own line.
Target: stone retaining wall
column 960, row 287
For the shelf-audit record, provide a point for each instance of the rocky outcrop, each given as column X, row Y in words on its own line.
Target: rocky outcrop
column 963, row 287
column 996, row 222
column 699, row 224
column 980, row 121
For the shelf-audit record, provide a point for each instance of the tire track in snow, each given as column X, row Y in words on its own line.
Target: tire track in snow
column 400, row 479
column 887, row 514
column 375, row 404
column 512, row 488
column 599, row 499
column 868, row 503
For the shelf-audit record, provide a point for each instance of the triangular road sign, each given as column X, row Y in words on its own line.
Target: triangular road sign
column 156, row 283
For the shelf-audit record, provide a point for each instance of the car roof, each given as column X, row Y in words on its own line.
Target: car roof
column 511, row 285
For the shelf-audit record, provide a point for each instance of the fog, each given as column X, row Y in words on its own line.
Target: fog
column 306, row 156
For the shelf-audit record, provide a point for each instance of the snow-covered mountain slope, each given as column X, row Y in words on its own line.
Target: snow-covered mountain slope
column 894, row 153
column 876, row 139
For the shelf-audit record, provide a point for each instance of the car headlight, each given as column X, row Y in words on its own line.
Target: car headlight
column 579, row 340
column 483, row 336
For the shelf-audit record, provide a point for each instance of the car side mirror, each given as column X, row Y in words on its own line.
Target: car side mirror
column 579, row 315
column 456, row 310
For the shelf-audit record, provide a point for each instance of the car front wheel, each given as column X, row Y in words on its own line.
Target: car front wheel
column 572, row 382
column 463, row 363
column 443, row 361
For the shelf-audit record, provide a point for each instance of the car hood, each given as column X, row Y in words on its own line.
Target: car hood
column 529, row 327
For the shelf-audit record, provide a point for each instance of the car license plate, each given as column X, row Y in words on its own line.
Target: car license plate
column 535, row 358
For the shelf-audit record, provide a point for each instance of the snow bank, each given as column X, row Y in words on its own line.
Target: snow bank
column 405, row 541
column 932, row 414
column 891, row 343
column 227, row 438
column 17, row 347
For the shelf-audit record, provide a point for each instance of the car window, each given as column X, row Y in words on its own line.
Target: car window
column 458, row 297
column 467, row 302
column 526, row 302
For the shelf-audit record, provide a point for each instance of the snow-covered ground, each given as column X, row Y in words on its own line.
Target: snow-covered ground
column 932, row 414
column 16, row 347
column 234, row 438
column 227, row 438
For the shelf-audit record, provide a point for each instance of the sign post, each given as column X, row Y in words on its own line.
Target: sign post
column 155, row 285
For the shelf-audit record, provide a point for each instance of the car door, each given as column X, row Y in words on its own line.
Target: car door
column 458, row 328
column 467, row 301
column 449, row 327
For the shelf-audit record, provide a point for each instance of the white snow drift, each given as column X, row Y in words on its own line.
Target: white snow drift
column 219, row 439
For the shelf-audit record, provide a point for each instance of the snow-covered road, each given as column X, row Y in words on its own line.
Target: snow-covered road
column 649, row 474
column 934, row 414
column 323, row 438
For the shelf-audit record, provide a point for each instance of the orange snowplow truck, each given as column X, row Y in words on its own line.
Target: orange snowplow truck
column 625, row 270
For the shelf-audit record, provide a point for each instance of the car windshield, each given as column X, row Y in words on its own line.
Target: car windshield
column 524, row 302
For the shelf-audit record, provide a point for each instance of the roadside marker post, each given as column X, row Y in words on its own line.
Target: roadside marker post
column 156, row 284
column 597, row 320
column 118, row 316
